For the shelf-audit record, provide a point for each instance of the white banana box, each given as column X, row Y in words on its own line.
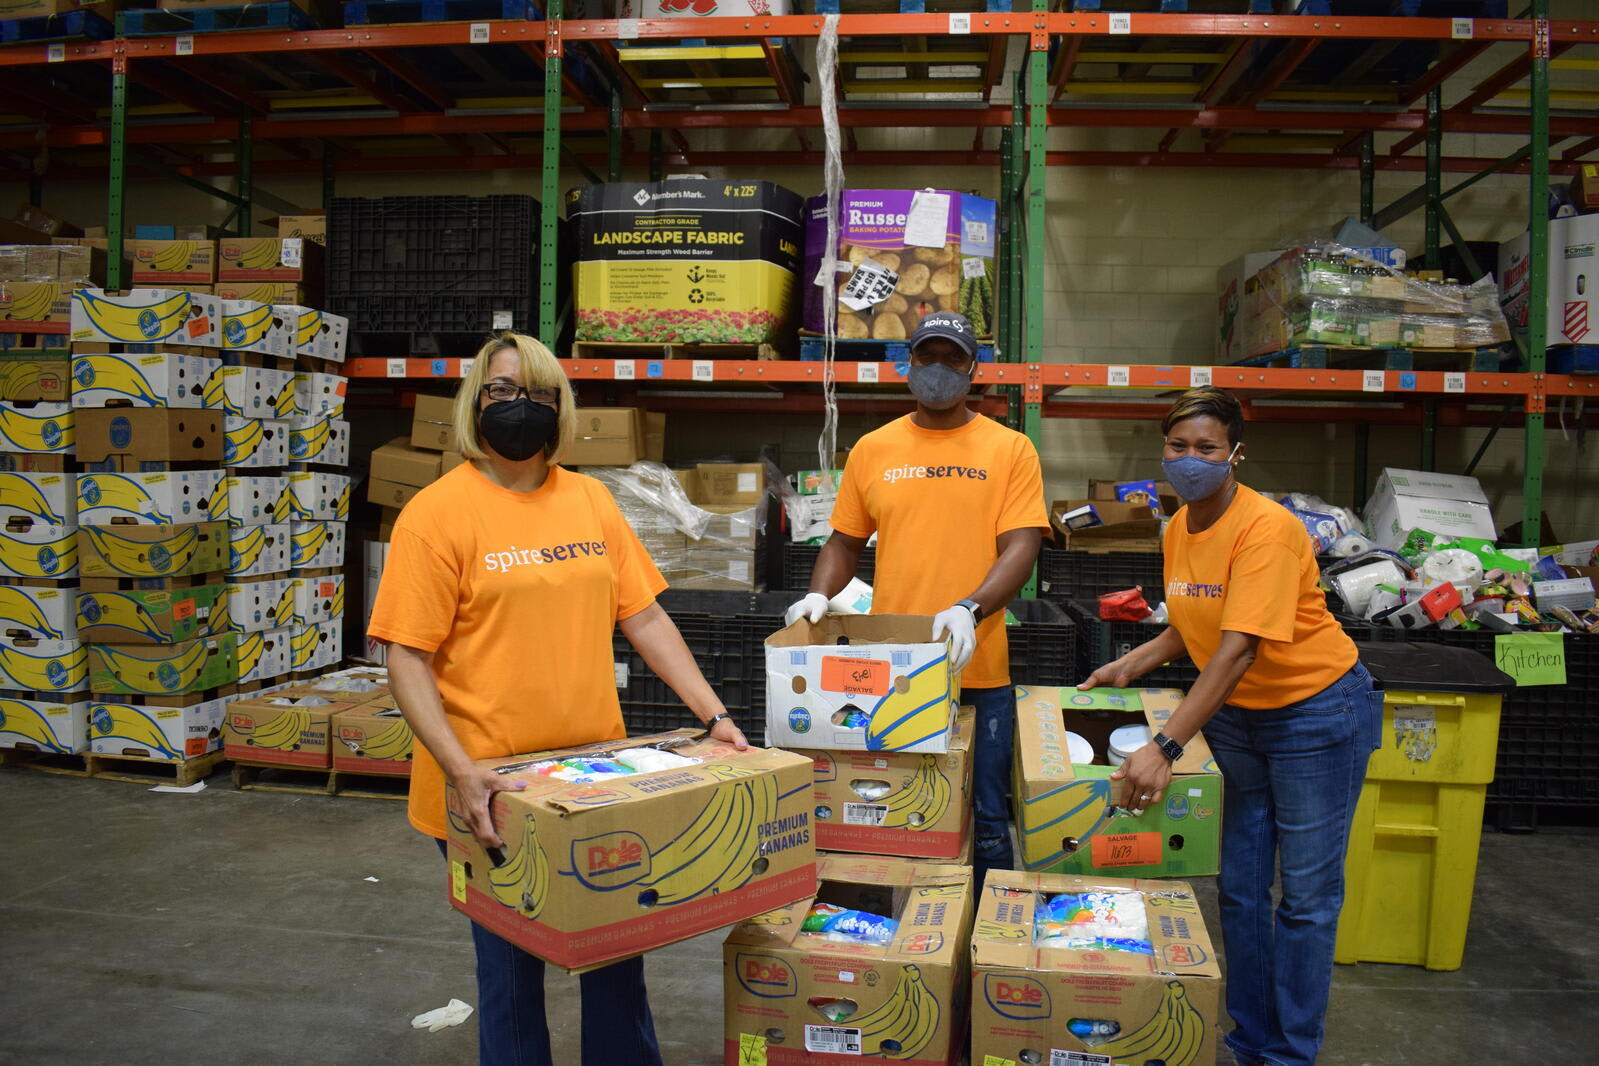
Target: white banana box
column 31, row 548
column 248, row 326
column 257, row 499
column 253, row 443
column 155, row 727
column 157, row 498
column 145, row 379
column 318, row 334
column 256, row 392
column 147, row 316
column 43, row 618
column 316, row 646
column 38, row 426
column 319, row 395
column 257, row 550
column 317, row 599
column 37, row 669
column 320, row 440
column 56, row 727
column 261, row 604
column 263, row 655
column 318, row 496
column 45, row 497
column 317, row 545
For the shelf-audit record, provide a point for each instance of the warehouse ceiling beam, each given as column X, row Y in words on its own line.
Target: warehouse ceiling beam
column 195, row 98
column 206, row 73
column 1070, row 49
column 1221, row 82
column 534, row 50
column 1281, row 69
column 1580, row 149
column 342, row 67
column 420, row 83
column 782, row 76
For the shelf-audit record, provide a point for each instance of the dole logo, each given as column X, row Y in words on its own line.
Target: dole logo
column 242, row 723
column 922, row 943
column 764, row 975
column 610, row 860
column 1013, row 996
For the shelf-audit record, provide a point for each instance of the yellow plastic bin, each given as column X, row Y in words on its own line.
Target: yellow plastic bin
column 1412, row 859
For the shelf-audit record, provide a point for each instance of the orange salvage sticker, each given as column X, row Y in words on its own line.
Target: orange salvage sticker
column 182, row 609
column 327, row 588
column 855, row 677
column 1125, row 849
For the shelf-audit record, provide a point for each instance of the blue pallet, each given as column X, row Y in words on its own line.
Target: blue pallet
column 1573, row 359
column 1171, row 7
column 906, row 7
column 1315, row 357
column 70, row 25
column 374, row 12
column 813, row 350
column 279, row 15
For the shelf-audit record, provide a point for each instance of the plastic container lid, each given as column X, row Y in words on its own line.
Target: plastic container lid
column 1432, row 668
column 1128, row 739
column 1078, row 749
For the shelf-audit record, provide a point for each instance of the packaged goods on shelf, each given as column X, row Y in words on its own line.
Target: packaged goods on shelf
column 286, row 259
column 399, row 471
column 147, row 316
column 606, row 436
column 687, row 260
column 699, row 525
column 48, row 724
column 808, row 498
column 903, row 254
column 911, row 1000
column 1230, row 282
column 313, row 228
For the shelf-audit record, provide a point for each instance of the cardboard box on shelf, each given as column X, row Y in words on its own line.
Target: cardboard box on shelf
column 1450, row 505
column 248, row 326
column 313, row 228
column 433, row 423
column 260, row 603
column 1106, row 489
column 38, row 617
column 263, row 655
column 315, row 646
column 255, row 551
column 318, row 395
column 890, row 689
column 169, row 728
column 894, row 803
column 317, row 496
column 38, row 426
column 742, row 484
column 400, row 463
column 1105, row 526
column 148, row 616
column 906, row 999
column 252, row 443
column 151, row 499
column 317, row 599
column 163, row 669
column 263, row 292
column 372, row 740
column 606, row 436
column 146, row 379
column 36, row 374
column 319, row 334
column 324, row 440
column 390, row 493
column 255, row 392
column 34, row 669
column 37, row 218
column 44, row 497
column 147, row 316
column 1231, row 281
column 1064, row 818
column 259, row 730
column 149, row 434
column 652, row 864
column 1029, row 1002
column 28, row 306
column 270, row 259
column 257, row 499
column 173, row 264
column 52, row 725
column 316, row 545
column 30, row 548
column 152, row 551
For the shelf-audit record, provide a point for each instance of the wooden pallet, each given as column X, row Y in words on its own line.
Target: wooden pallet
column 263, row 777
column 1356, row 357
column 659, row 350
column 137, row 769
column 48, row 762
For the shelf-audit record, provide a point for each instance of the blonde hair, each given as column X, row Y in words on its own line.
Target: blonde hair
column 540, row 370
column 1211, row 402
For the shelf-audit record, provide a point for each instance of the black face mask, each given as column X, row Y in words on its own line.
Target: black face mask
column 517, row 429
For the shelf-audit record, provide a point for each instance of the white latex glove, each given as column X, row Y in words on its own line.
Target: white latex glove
column 961, row 627
column 452, row 1013
column 812, row 607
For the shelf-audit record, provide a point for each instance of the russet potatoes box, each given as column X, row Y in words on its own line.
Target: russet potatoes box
column 593, row 873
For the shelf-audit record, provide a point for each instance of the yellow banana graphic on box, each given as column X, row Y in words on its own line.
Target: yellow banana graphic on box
column 523, row 881
column 48, row 559
column 152, row 322
column 248, row 651
column 249, row 327
column 923, row 800
column 142, row 559
column 283, row 612
column 42, row 429
column 131, row 725
column 341, row 506
column 102, row 498
column 902, row 1024
column 243, row 439
column 214, row 393
column 308, row 542
column 18, row 376
column 245, row 547
column 36, row 306
column 1174, row 1034
column 134, row 672
column 394, row 742
column 260, row 256
column 310, row 324
column 175, row 256
column 20, row 492
column 716, row 852
column 21, row 611
column 308, row 441
column 903, row 719
column 117, row 374
column 336, row 610
column 302, row 647
column 111, row 611
column 25, row 722
column 44, row 673
column 283, row 732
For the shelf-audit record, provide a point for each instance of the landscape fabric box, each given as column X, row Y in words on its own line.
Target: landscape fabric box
column 590, row 874
column 49, row 725
column 147, row 316
column 163, row 669
column 1065, row 818
column 149, row 434
column 1029, row 1002
column 896, row 803
column 372, row 740
column 606, row 436
column 891, row 683
column 147, row 616
column 146, row 379
column 1449, row 505
column 152, row 551
column 905, row 1000
column 171, row 729
column 433, row 423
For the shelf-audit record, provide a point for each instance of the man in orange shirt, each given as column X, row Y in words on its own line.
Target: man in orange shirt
column 957, row 503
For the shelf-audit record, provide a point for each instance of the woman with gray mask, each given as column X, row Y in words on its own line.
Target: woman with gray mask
column 957, row 503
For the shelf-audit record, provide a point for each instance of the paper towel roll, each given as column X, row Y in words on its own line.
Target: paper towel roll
column 1350, row 545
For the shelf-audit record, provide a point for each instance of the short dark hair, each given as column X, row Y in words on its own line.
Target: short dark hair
column 1208, row 401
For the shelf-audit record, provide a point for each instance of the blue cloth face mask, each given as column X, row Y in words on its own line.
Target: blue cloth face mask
column 937, row 386
column 1195, row 478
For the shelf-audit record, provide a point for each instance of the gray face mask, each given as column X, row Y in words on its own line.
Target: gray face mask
column 938, row 387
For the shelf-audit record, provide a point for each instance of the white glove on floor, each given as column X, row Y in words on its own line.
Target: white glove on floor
column 961, row 627
column 812, row 607
column 452, row 1013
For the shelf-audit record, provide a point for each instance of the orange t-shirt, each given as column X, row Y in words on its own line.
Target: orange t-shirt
column 1255, row 572
column 937, row 498
column 517, row 595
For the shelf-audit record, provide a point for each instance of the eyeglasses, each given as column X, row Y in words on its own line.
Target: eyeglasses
column 504, row 391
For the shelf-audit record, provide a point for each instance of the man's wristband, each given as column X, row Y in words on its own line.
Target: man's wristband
column 711, row 723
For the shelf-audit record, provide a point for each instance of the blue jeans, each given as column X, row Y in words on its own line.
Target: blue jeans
column 1292, row 778
column 991, row 773
column 511, row 1028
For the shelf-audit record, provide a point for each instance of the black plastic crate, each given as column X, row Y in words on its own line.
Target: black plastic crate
column 799, row 560
column 1100, row 642
column 1079, row 575
column 1043, row 645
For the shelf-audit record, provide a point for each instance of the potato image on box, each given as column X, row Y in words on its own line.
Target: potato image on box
column 57, row 728
column 590, row 874
column 896, row 803
column 372, row 740
column 890, row 689
column 793, row 996
column 1073, row 1000
column 147, row 316
column 170, row 728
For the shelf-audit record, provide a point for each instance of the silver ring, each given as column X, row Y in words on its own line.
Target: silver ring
column 1144, row 797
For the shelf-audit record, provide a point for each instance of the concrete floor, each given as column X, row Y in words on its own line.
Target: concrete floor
column 142, row 928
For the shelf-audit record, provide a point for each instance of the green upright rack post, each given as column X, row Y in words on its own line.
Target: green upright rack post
column 1368, row 179
column 550, row 158
column 116, row 166
column 1033, row 234
column 613, row 161
column 246, row 160
column 1435, row 143
column 1537, row 274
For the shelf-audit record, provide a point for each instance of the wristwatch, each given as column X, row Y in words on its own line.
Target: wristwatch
column 1168, row 747
column 972, row 606
column 711, row 724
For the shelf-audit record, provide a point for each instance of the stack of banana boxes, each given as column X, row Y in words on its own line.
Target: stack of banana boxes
column 346, row 721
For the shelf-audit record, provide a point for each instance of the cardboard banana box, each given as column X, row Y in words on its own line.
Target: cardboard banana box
column 318, row 496
column 254, row 442
column 314, row 646
column 57, row 724
column 171, row 728
column 372, row 740
column 1064, row 815
column 147, row 316
column 263, row 655
column 259, row 604
column 150, row 616
column 1134, row 1008
column 43, row 497
column 36, row 426
column 58, row 668
column 151, row 499
column 317, row 599
column 257, row 550
column 260, row 731
column 30, row 548
column 38, row 617
column 152, row 551
column 905, row 1000
column 896, row 803
column 164, row 669
column 592, row 873
column 258, row 499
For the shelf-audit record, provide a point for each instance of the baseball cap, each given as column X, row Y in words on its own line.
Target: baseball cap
column 950, row 326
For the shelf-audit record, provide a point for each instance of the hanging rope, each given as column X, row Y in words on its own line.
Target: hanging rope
column 833, row 182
